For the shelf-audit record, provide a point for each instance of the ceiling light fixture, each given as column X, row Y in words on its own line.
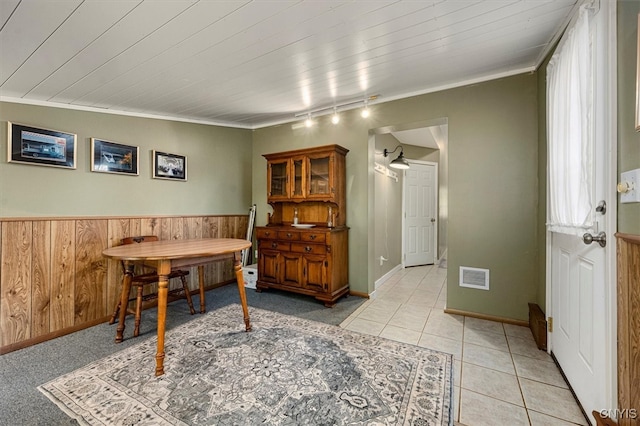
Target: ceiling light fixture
column 365, row 110
column 400, row 162
column 335, row 118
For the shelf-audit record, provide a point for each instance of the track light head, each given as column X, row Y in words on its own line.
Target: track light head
column 335, row 118
column 365, row 110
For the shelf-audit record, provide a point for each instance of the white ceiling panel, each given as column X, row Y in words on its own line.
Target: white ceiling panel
column 132, row 42
column 90, row 19
column 255, row 63
column 6, row 9
column 29, row 25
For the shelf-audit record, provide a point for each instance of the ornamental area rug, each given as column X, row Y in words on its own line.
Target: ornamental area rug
column 286, row 371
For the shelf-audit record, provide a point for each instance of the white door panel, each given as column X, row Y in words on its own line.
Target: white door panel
column 420, row 192
column 578, row 280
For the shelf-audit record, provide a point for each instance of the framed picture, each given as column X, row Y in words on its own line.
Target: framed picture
column 638, row 78
column 41, row 147
column 111, row 157
column 169, row 166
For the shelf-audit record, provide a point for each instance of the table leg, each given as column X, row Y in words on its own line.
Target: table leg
column 243, row 295
column 124, row 299
column 164, row 268
column 203, row 306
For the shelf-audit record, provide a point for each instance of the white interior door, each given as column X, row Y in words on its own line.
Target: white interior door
column 420, row 210
column 582, row 290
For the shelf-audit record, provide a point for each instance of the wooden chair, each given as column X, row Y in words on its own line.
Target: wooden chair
column 148, row 278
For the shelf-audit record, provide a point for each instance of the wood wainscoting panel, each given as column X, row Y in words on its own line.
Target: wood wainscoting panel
column 149, row 226
column 54, row 279
column 41, row 278
column 191, row 229
column 210, row 229
column 63, row 272
column 178, row 231
column 628, row 265
column 118, row 229
column 91, row 270
column 15, row 282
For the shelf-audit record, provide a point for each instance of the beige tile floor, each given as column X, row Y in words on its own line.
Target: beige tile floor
column 500, row 376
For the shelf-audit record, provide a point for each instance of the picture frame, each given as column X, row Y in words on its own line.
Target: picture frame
column 112, row 157
column 169, row 166
column 40, row 147
column 638, row 77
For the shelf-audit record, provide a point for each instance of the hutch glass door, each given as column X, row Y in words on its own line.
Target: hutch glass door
column 319, row 173
column 278, row 179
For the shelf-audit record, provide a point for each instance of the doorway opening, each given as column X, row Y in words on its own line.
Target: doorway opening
column 424, row 144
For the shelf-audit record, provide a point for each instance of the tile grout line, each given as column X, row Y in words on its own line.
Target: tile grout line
column 464, row 319
column 515, row 369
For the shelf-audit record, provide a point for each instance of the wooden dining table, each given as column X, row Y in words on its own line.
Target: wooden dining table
column 175, row 254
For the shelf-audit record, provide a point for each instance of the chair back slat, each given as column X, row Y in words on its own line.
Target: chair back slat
column 139, row 239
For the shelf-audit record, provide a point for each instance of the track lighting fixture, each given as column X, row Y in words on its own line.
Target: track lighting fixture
column 400, row 162
column 333, row 110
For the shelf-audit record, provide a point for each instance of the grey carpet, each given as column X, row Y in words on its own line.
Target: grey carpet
column 21, row 372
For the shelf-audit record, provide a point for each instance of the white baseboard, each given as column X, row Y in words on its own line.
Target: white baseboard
column 386, row 276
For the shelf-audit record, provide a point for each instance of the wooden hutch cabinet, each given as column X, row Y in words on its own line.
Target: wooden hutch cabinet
column 304, row 247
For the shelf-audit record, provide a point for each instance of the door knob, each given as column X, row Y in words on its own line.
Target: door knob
column 601, row 238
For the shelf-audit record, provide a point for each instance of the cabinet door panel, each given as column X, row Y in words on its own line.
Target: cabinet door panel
column 291, row 270
column 320, row 177
column 315, row 273
column 278, row 180
column 268, row 266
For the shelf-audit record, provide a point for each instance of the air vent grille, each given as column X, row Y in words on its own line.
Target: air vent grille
column 474, row 278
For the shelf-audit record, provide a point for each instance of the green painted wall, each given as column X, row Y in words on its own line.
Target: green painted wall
column 387, row 216
column 628, row 138
column 492, row 185
column 218, row 161
column 541, row 291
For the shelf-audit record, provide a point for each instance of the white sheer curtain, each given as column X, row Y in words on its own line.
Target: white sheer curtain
column 570, row 137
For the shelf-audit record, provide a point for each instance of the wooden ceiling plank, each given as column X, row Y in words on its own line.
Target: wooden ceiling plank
column 130, row 32
column 30, row 26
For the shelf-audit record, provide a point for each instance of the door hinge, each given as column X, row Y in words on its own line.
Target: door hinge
column 550, row 324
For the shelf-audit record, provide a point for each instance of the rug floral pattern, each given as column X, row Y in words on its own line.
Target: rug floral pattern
column 287, row 371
